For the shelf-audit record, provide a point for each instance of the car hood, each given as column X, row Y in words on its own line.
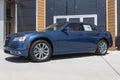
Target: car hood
column 24, row 33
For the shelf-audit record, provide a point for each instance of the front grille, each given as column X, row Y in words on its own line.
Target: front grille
column 7, row 41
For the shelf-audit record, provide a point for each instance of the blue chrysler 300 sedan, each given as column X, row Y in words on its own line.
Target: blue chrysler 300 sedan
column 57, row 39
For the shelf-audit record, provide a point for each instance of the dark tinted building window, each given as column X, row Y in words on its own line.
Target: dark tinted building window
column 26, row 15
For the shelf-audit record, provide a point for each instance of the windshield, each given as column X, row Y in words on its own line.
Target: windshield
column 55, row 26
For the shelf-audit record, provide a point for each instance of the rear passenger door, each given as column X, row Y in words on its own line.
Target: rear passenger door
column 90, row 36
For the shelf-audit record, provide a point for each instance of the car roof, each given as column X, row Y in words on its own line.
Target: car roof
column 83, row 23
column 79, row 22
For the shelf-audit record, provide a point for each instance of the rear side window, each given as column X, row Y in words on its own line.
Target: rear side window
column 88, row 27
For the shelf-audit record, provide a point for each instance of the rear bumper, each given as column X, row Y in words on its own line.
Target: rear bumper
column 14, row 52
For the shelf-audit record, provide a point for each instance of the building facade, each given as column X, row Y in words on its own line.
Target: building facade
column 35, row 15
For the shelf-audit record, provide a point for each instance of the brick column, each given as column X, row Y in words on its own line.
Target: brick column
column 111, row 21
column 41, row 15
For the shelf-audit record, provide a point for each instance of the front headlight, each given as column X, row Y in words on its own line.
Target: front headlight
column 21, row 38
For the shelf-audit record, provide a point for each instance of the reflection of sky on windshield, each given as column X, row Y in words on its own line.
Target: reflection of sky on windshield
column 55, row 26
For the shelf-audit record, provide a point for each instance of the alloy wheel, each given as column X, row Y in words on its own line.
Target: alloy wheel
column 41, row 51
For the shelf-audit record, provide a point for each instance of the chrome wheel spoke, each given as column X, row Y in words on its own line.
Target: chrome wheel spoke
column 40, row 56
column 36, row 47
column 44, row 46
column 45, row 54
column 37, row 54
column 36, row 51
column 46, row 51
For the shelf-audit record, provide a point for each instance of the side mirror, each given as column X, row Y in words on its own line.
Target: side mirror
column 64, row 30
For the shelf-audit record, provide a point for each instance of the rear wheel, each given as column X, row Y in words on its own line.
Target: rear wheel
column 40, row 51
column 102, row 47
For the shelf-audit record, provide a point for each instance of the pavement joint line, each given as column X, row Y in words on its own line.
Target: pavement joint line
column 110, row 65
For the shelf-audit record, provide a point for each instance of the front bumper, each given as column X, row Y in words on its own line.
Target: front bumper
column 16, row 52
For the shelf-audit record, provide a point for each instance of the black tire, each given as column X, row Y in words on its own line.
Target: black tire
column 40, row 51
column 102, row 47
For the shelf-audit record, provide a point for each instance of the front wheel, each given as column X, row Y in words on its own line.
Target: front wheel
column 40, row 51
column 102, row 47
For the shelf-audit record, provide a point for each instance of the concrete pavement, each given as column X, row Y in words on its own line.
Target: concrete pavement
column 65, row 67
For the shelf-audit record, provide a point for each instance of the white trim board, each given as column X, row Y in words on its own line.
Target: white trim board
column 107, row 15
column 116, row 22
column 44, row 14
column 36, row 15
column 16, row 29
column 81, row 17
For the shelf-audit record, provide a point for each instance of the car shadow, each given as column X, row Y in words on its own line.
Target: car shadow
column 53, row 58
column 70, row 56
column 15, row 59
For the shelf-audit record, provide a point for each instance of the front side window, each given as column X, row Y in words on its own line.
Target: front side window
column 74, row 27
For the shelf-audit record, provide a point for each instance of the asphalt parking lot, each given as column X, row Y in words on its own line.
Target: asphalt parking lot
column 65, row 67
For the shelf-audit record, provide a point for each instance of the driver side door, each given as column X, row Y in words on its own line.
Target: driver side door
column 71, row 38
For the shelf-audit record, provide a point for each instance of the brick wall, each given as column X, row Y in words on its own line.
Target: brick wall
column 41, row 15
column 111, row 20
